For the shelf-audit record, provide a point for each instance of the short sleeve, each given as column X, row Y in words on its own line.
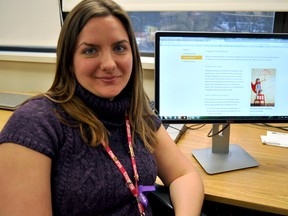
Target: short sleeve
column 36, row 126
column 157, row 121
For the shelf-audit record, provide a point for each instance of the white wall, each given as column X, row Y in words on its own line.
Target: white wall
column 196, row 5
column 34, row 77
column 26, row 76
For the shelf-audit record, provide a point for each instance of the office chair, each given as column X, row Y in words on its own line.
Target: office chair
column 161, row 203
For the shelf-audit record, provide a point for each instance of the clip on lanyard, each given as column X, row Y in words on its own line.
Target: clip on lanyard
column 140, row 197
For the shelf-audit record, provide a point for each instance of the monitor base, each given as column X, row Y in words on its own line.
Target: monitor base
column 213, row 163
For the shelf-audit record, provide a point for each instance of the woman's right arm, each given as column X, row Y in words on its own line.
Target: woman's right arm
column 25, row 187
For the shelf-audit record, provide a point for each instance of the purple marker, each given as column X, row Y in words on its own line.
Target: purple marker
column 143, row 199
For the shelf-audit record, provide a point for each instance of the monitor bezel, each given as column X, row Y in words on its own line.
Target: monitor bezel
column 230, row 119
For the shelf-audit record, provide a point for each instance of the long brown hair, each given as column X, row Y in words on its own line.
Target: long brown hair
column 63, row 87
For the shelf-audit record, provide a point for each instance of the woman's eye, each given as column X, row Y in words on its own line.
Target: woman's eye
column 90, row 51
column 119, row 49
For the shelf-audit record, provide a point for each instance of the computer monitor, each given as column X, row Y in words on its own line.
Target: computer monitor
column 221, row 78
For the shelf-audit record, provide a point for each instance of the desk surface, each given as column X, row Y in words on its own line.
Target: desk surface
column 4, row 116
column 262, row 188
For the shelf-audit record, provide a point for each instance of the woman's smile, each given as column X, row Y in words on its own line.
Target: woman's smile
column 108, row 79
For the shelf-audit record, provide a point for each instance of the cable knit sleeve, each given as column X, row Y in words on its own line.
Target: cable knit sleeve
column 36, row 126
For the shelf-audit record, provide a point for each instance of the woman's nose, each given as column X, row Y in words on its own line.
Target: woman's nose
column 107, row 62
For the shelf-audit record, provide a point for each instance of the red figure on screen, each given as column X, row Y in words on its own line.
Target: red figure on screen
column 256, row 87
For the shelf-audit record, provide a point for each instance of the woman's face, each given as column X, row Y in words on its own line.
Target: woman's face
column 103, row 57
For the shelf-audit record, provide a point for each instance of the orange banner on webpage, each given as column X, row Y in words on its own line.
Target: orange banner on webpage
column 191, row 57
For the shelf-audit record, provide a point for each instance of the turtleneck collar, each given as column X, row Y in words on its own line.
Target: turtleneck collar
column 106, row 110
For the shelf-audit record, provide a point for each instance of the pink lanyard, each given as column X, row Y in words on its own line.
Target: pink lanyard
column 133, row 189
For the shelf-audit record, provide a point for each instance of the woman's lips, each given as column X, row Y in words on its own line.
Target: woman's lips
column 109, row 79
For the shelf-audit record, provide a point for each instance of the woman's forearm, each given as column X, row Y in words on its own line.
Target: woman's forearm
column 187, row 194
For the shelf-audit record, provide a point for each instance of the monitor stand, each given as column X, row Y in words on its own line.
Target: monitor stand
column 223, row 157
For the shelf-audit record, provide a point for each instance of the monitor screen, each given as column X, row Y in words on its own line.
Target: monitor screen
column 221, row 78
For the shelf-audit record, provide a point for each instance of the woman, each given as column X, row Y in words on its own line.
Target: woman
column 87, row 145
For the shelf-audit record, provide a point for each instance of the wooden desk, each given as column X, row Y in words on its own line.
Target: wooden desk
column 262, row 188
column 4, row 116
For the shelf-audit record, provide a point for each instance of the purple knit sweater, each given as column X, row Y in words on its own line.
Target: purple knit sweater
column 84, row 180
